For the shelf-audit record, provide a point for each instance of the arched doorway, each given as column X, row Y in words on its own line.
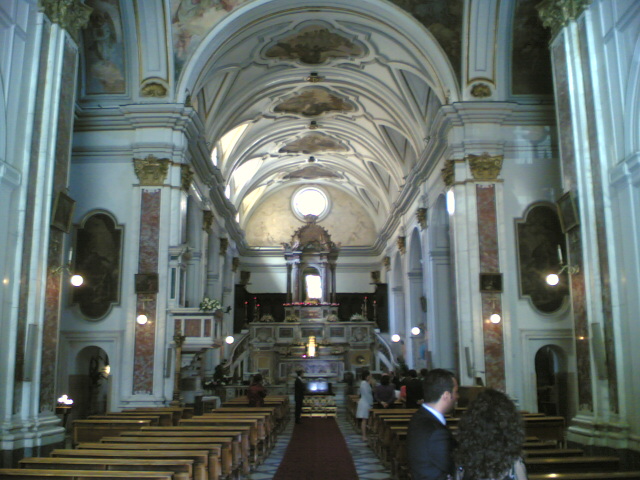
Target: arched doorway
column 552, row 381
column 89, row 384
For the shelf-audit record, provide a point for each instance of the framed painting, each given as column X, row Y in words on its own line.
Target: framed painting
column 63, row 208
column 491, row 282
column 146, row 283
column 568, row 212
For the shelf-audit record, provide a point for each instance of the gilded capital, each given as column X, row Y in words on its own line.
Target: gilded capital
column 207, row 220
column 481, row 90
column 485, row 167
column 153, row 89
column 151, row 171
column 224, row 244
column 421, row 216
column 448, row 176
column 72, row 15
column 556, row 14
column 386, row 262
column 235, row 263
column 186, row 176
column 402, row 244
column 179, row 340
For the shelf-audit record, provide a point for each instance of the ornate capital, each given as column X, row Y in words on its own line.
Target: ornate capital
column 448, row 177
column 402, row 244
column 186, row 176
column 375, row 276
column 72, row 15
column 224, row 244
column 151, row 171
column 235, row 263
column 481, row 90
column 386, row 262
column 179, row 340
column 153, row 89
column 421, row 216
column 485, row 167
column 556, row 14
column 207, row 220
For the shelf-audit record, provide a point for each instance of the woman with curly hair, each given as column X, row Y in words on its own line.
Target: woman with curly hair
column 490, row 438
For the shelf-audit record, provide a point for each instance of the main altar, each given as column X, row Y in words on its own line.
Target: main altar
column 312, row 337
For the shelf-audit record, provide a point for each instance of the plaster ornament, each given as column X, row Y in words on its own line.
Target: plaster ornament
column 485, row 167
column 151, row 171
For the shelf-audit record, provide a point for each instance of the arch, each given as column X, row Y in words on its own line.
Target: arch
column 552, row 383
column 89, row 384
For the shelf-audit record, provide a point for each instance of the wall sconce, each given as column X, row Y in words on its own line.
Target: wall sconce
column 229, row 340
column 74, row 278
column 553, row 279
column 395, row 338
column 142, row 318
column 495, row 318
column 415, row 331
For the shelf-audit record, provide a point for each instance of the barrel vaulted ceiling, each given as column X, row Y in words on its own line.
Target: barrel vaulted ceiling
column 340, row 94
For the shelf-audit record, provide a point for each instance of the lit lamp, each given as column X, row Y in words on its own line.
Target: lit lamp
column 495, row 318
column 395, row 338
column 553, row 279
column 142, row 319
column 229, row 340
column 311, row 347
column 415, row 331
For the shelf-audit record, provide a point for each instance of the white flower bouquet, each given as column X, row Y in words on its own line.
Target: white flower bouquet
column 207, row 304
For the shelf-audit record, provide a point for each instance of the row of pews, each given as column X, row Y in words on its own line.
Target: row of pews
column 165, row 443
column 545, row 450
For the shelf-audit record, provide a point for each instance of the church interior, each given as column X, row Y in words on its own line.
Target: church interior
column 260, row 186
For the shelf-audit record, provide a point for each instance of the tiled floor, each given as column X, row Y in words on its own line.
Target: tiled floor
column 367, row 464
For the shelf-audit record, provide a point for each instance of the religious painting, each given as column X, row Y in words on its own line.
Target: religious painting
column 146, row 283
column 63, row 212
column 314, row 143
column 568, row 211
column 311, row 102
column 491, row 282
column 104, row 49
column 314, row 45
column 191, row 21
column 312, row 172
column 540, row 246
column 530, row 58
column 98, row 248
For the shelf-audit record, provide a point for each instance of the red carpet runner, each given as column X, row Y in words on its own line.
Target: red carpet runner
column 317, row 451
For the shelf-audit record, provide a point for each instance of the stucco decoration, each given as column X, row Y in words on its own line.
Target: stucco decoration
column 72, row 15
column 155, row 89
column 104, row 49
column 448, row 175
column 481, row 90
column 539, row 236
column 311, row 237
column 556, row 14
column 443, row 18
column 151, row 171
column 314, row 45
column 273, row 220
column 312, row 102
column 313, row 143
column 191, row 21
column 311, row 172
column 530, row 56
column 485, row 167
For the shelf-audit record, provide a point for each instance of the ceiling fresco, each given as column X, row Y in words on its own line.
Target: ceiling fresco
column 312, row 172
column 314, row 143
column 311, row 102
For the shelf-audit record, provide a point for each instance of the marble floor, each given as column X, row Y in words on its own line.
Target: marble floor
column 367, row 464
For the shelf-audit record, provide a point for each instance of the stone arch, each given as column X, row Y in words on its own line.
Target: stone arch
column 89, row 380
column 552, row 382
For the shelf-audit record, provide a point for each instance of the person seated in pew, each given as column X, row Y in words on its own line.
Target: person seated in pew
column 490, row 438
column 256, row 391
column 385, row 393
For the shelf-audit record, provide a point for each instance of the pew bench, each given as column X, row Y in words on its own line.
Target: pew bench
column 199, row 458
column 572, row 464
column 22, row 473
column 93, row 430
column 182, row 468
column 163, row 418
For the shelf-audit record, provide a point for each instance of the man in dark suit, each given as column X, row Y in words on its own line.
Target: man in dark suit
column 298, row 393
column 429, row 441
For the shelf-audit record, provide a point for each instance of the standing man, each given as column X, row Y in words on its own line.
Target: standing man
column 429, row 441
column 298, row 391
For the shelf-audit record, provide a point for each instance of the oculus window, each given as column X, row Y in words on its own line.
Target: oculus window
column 310, row 201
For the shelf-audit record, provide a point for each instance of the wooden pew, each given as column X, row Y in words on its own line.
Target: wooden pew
column 178, row 413
column 586, row 476
column 243, row 430
column 22, row 473
column 239, row 444
column 94, row 430
column 228, row 466
column 157, row 418
column 214, row 452
column 182, row 468
column 572, row 464
column 200, row 458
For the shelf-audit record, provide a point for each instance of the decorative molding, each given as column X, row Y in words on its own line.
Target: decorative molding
column 448, row 176
column 556, row 14
column 421, row 216
column 386, row 262
column 153, row 89
column 224, row 245
column 481, row 90
column 151, row 171
column 72, row 15
column 402, row 244
column 485, row 167
column 186, row 176
column 207, row 220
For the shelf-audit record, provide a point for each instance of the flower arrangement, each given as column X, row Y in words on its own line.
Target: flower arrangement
column 207, row 304
column 291, row 319
column 356, row 317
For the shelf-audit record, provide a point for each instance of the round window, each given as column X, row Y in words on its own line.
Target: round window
column 310, row 201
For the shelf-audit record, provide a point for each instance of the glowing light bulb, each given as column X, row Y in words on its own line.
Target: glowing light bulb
column 415, row 331
column 552, row 279
column 142, row 319
column 495, row 318
column 395, row 338
column 230, row 339
column 76, row 280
